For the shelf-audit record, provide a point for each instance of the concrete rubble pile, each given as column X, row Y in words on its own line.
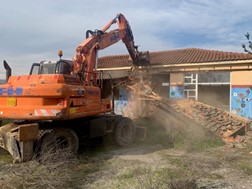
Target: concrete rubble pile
column 230, row 127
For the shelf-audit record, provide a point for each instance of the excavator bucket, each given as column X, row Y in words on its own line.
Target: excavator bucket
column 143, row 59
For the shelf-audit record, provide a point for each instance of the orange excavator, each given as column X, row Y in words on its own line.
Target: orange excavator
column 60, row 103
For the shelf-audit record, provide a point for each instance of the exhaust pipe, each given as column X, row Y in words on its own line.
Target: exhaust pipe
column 8, row 70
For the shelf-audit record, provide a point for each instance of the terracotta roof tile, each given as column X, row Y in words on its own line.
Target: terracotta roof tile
column 180, row 56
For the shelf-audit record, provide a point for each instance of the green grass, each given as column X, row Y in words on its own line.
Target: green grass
column 205, row 143
column 246, row 167
column 156, row 133
column 98, row 168
column 197, row 144
column 5, row 157
column 6, row 121
column 126, row 174
column 165, row 178
column 215, row 176
column 181, row 139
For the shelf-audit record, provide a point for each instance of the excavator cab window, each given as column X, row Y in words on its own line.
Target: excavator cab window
column 42, row 68
column 48, row 68
column 34, row 69
column 63, row 67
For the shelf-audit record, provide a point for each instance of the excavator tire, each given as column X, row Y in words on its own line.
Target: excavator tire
column 124, row 131
column 59, row 139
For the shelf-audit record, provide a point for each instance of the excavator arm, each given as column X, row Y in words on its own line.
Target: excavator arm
column 85, row 60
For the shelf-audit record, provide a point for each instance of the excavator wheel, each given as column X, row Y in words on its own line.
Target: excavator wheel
column 59, row 139
column 124, row 131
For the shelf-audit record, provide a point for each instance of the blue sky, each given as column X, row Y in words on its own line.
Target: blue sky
column 32, row 31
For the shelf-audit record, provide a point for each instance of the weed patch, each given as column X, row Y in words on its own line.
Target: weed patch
column 190, row 143
column 49, row 171
column 5, row 121
column 5, row 157
column 126, row 174
column 156, row 133
column 246, row 167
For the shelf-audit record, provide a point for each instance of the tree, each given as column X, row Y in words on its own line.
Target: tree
column 247, row 35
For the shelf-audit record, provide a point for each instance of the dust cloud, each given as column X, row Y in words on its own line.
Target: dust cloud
column 148, row 104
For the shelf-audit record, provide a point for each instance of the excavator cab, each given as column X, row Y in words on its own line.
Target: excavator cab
column 60, row 67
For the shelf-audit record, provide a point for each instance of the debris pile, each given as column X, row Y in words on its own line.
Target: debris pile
column 225, row 124
column 230, row 127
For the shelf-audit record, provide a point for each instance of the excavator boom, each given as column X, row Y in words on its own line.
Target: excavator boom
column 85, row 59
